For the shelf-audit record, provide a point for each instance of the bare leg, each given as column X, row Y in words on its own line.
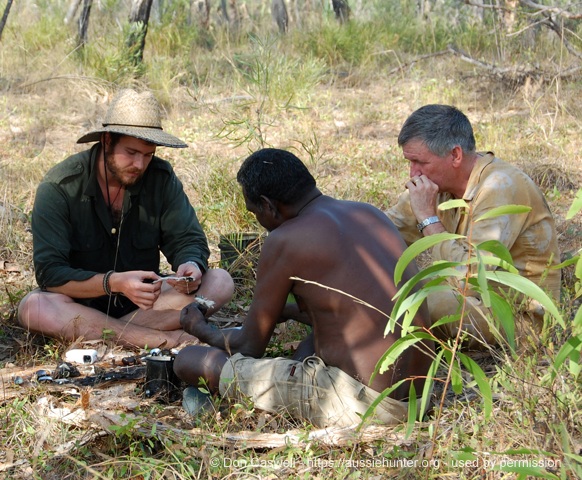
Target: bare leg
column 305, row 349
column 291, row 312
column 57, row 315
column 197, row 363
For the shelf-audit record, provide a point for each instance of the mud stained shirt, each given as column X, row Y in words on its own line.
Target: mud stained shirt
column 530, row 237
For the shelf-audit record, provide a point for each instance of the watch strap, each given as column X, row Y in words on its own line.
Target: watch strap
column 426, row 222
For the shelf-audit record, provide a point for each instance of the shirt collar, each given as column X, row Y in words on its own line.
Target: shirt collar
column 474, row 179
column 91, row 188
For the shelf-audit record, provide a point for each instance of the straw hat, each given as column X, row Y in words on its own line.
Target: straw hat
column 137, row 115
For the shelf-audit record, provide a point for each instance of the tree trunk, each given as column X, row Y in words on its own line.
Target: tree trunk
column 83, row 23
column 139, row 17
column 5, row 17
column 341, row 9
column 71, row 11
column 199, row 12
column 279, row 12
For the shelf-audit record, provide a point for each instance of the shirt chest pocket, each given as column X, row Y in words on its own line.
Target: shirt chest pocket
column 88, row 252
column 144, row 253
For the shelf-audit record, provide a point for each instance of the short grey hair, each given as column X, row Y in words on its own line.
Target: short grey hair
column 440, row 127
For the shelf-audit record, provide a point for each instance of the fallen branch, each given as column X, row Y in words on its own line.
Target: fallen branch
column 545, row 9
column 336, row 437
column 551, row 24
column 511, row 74
column 418, row 59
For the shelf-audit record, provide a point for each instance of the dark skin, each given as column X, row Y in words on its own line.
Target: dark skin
column 347, row 246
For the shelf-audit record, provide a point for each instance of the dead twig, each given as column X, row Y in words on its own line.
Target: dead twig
column 515, row 75
column 336, row 437
column 552, row 25
column 403, row 66
column 547, row 9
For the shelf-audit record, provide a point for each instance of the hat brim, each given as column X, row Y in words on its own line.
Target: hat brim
column 152, row 135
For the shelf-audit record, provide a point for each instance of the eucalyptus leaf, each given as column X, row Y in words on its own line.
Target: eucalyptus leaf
column 493, row 261
column 455, row 370
column 409, row 317
column 576, row 205
column 454, row 203
column 443, row 269
column 528, row 288
column 397, row 348
column 504, row 314
column 411, row 300
column 503, row 210
column 412, row 412
column 482, row 280
column 482, row 382
column 417, row 248
column 379, row 399
column 496, row 248
column 429, row 382
column 446, row 319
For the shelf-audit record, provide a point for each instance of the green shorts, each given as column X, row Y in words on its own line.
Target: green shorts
column 308, row 390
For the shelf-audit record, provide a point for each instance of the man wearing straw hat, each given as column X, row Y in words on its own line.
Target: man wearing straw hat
column 100, row 219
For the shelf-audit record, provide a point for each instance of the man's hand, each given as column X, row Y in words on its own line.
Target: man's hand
column 137, row 286
column 188, row 269
column 423, row 196
column 193, row 321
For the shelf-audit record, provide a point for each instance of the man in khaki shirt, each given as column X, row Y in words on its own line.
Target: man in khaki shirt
column 438, row 142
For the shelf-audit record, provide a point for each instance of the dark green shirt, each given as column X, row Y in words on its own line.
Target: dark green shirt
column 72, row 227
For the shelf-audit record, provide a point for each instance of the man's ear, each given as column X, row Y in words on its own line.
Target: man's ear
column 268, row 205
column 457, row 154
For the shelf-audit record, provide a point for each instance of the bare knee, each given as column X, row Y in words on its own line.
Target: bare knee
column 218, row 286
column 29, row 308
column 37, row 308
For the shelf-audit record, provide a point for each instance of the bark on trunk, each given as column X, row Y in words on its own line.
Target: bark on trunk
column 341, row 9
column 83, row 23
column 279, row 12
column 139, row 17
column 5, row 17
column 71, row 11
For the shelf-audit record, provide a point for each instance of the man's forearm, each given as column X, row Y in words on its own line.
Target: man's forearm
column 227, row 339
column 90, row 288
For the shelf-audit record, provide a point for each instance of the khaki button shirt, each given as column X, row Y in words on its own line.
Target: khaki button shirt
column 530, row 237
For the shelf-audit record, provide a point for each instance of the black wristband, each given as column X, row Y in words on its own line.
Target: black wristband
column 106, row 287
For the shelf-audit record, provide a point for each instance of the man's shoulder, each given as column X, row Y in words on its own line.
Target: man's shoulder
column 72, row 166
column 498, row 169
column 160, row 164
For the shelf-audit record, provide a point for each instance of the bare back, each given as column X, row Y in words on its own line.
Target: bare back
column 345, row 247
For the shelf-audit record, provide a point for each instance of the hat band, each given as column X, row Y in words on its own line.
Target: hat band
column 128, row 125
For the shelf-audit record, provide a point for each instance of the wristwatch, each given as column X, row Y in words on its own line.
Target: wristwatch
column 426, row 222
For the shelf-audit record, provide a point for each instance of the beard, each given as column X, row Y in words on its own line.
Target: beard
column 118, row 174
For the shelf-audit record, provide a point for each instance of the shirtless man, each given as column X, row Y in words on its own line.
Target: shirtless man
column 318, row 247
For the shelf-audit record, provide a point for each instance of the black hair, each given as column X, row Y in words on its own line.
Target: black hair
column 277, row 174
